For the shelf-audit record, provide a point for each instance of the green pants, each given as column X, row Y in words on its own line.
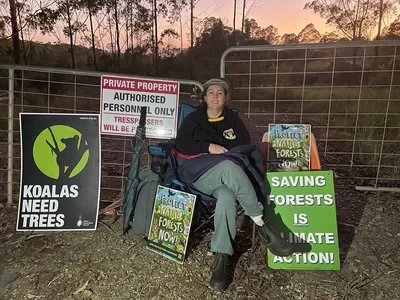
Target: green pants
column 228, row 183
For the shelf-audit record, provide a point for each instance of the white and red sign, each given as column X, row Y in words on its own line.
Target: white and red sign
column 123, row 97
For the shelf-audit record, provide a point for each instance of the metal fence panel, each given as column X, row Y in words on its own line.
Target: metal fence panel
column 49, row 90
column 349, row 92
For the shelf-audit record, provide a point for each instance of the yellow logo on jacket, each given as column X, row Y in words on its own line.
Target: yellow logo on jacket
column 229, row 134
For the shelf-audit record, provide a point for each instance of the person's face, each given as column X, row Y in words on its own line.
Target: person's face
column 215, row 97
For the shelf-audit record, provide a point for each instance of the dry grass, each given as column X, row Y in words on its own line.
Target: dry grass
column 105, row 265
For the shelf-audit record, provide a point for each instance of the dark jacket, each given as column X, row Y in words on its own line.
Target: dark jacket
column 195, row 135
column 248, row 157
column 196, row 132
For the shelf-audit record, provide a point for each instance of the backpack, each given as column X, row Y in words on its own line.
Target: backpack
column 145, row 197
column 160, row 172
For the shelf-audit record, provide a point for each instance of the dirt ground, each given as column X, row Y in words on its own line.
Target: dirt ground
column 106, row 265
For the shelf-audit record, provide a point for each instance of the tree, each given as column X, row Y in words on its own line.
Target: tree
column 234, row 22
column 22, row 9
column 2, row 28
column 141, row 28
column 243, row 15
column 166, row 40
column 17, row 22
column 112, row 8
column 177, row 7
column 255, row 34
column 250, row 28
column 64, row 11
column 386, row 8
column 15, row 31
column 161, row 8
column 92, row 7
column 213, row 40
column 44, row 19
column 191, row 37
column 393, row 31
column 289, row 38
column 329, row 37
column 309, row 34
column 354, row 19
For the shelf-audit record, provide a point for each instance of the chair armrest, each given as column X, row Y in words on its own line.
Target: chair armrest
column 182, row 155
column 157, row 151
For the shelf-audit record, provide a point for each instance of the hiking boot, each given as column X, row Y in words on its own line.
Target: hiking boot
column 275, row 243
column 220, row 276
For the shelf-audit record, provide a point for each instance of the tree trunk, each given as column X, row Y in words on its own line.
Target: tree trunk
column 93, row 43
column 378, row 37
column 111, row 42
column 234, row 22
column 15, row 31
column 244, row 15
column 132, row 54
column 153, row 46
column 155, row 39
column 191, row 38
column 127, row 33
column 24, row 52
column 181, row 30
column 71, row 35
column 117, row 34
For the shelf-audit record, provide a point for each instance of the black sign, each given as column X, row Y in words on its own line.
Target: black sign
column 60, row 172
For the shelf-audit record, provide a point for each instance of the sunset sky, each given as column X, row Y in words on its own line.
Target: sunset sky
column 286, row 15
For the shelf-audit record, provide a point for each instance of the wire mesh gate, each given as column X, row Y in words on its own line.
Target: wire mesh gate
column 349, row 92
column 50, row 90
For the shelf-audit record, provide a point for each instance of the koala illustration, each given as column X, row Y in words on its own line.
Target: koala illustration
column 69, row 157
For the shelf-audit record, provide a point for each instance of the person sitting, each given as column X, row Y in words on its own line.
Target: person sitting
column 215, row 137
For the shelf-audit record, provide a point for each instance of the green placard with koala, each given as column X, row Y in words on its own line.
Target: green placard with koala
column 60, row 172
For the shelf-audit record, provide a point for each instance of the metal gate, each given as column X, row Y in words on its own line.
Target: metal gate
column 349, row 92
column 50, row 90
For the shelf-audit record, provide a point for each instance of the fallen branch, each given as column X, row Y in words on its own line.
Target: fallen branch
column 110, row 208
column 348, row 224
column 82, row 288
column 31, row 296
column 24, row 239
column 359, row 283
column 311, row 293
column 106, row 225
column 54, row 279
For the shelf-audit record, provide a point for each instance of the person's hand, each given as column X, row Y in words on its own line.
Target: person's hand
column 216, row 149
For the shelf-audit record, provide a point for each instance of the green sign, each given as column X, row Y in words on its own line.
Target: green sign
column 301, row 207
column 170, row 223
column 290, row 143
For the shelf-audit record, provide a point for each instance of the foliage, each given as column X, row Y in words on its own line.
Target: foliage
column 353, row 19
column 123, row 36
column 309, row 35
column 393, row 31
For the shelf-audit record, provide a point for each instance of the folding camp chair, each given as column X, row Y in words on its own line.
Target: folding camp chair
column 167, row 151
